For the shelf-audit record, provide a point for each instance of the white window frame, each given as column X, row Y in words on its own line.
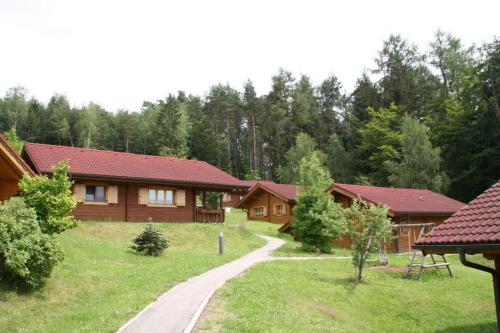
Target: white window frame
column 162, row 193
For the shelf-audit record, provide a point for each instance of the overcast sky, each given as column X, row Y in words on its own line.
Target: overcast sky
column 120, row 53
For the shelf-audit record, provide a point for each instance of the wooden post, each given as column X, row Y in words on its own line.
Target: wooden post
column 221, row 201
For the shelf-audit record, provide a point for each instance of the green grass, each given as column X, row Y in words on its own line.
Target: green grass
column 291, row 248
column 101, row 284
column 320, row 296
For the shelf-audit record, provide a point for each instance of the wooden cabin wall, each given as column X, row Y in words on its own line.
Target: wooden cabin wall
column 129, row 209
column 263, row 198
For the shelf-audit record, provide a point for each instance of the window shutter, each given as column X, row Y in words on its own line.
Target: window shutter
column 265, row 211
column 79, row 192
column 275, row 209
column 252, row 212
column 283, row 210
column 113, row 194
column 180, row 198
column 143, row 196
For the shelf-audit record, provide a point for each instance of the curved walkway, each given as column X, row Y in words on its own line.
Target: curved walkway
column 176, row 310
column 179, row 308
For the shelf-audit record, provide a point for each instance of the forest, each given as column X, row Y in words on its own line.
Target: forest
column 419, row 118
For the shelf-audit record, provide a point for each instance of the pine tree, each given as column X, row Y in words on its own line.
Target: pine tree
column 150, row 242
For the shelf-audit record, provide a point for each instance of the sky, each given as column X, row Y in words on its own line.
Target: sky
column 121, row 53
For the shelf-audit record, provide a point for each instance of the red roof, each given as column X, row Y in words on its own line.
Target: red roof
column 401, row 200
column 287, row 191
column 110, row 164
column 476, row 223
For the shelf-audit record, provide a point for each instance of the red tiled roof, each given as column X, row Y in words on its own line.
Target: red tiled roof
column 476, row 223
column 402, row 200
column 288, row 191
column 103, row 163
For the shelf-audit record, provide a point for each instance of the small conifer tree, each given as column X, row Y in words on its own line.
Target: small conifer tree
column 150, row 242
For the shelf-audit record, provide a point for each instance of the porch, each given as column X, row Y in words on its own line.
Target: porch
column 209, row 207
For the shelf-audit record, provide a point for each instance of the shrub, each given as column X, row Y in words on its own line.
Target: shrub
column 27, row 255
column 317, row 220
column 51, row 198
column 370, row 230
column 150, row 242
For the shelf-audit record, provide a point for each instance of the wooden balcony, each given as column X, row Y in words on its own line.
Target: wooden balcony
column 205, row 215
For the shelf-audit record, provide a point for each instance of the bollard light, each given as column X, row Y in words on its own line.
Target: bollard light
column 221, row 242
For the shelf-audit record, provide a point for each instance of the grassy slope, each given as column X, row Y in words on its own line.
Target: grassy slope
column 101, row 284
column 320, row 296
column 290, row 249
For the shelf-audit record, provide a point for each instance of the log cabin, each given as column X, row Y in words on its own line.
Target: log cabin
column 12, row 169
column 412, row 210
column 270, row 202
column 120, row 186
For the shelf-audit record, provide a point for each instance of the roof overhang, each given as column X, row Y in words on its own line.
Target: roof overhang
column 472, row 248
column 15, row 161
column 201, row 185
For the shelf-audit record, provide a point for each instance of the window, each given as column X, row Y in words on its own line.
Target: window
column 226, row 197
column 95, row 193
column 278, row 210
column 258, row 211
column 161, row 197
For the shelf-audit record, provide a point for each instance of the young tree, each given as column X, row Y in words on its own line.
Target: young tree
column 419, row 166
column 317, row 219
column 150, row 242
column 14, row 140
column 51, row 198
column 369, row 229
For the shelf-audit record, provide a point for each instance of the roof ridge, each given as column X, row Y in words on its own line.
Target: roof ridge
column 112, row 151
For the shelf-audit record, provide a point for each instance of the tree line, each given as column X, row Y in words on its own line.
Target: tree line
column 418, row 119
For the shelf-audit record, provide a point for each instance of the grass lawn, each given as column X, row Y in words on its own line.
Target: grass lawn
column 291, row 248
column 101, row 284
column 320, row 296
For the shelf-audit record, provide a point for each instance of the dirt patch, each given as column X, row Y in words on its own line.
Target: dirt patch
column 397, row 269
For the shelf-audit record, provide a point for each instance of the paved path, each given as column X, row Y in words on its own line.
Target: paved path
column 178, row 309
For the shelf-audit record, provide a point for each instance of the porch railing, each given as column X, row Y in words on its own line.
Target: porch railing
column 206, row 215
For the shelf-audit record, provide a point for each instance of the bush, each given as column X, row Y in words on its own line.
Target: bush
column 317, row 220
column 150, row 242
column 27, row 255
column 51, row 198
